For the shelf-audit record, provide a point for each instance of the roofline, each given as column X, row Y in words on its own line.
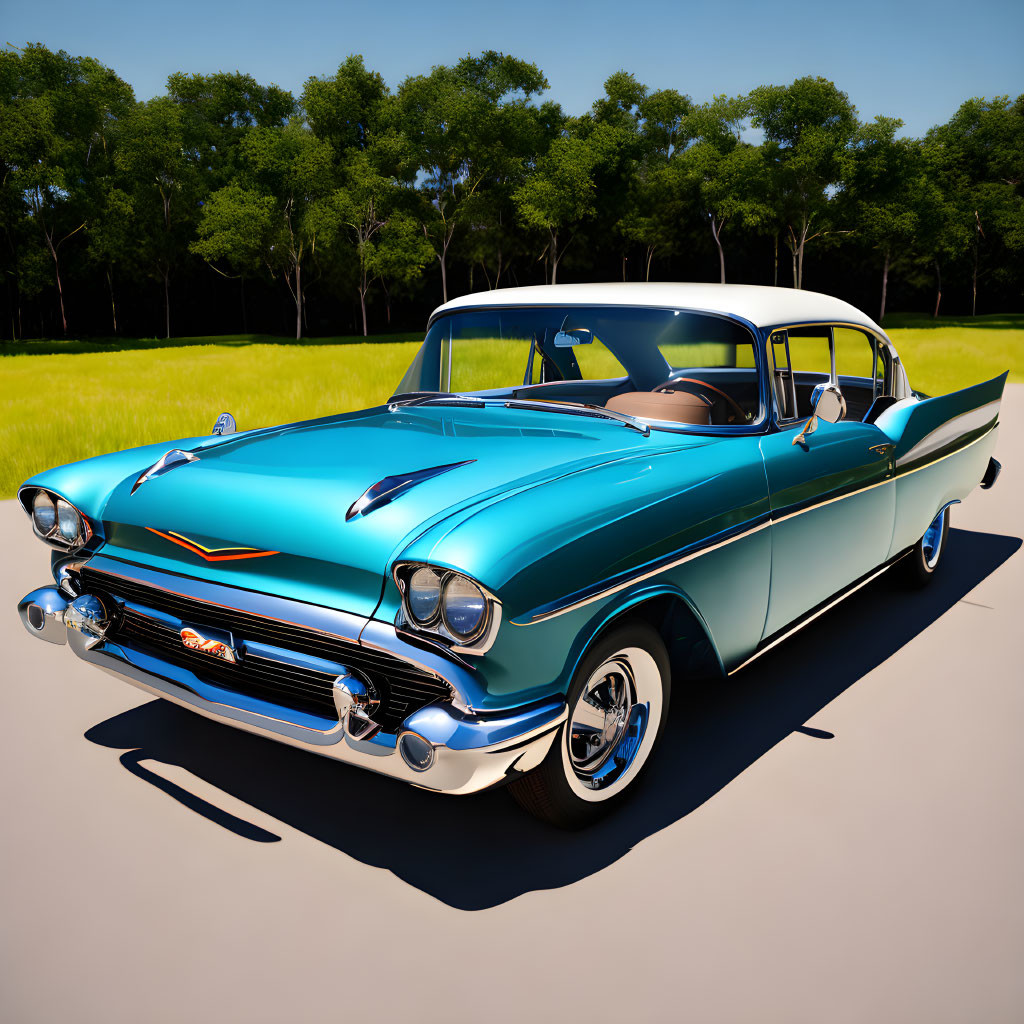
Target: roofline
column 687, row 296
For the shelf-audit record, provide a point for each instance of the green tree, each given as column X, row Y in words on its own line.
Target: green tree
column 725, row 177
column 807, row 126
column 156, row 158
column 346, row 109
column 387, row 241
column 56, row 114
column 978, row 156
column 882, row 181
column 283, row 206
column 560, row 193
column 456, row 124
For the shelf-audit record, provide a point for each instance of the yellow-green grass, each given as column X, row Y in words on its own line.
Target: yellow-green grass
column 62, row 401
column 57, row 408
column 951, row 353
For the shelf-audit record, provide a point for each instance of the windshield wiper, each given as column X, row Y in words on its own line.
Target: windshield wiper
column 594, row 411
column 414, row 398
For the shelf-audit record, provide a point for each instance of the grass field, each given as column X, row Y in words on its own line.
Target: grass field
column 62, row 401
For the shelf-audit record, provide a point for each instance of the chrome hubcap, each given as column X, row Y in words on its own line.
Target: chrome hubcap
column 931, row 543
column 600, row 716
column 608, row 739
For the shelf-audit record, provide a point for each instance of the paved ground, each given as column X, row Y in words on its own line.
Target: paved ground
column 834, row 836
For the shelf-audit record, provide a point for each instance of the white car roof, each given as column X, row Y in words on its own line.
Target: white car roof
column 761, row 305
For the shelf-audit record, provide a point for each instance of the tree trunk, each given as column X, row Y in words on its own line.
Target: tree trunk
column 885, row 286
column 60, row 289
column 442, row 259
column 624, row 266
column 113, row 305
column 298, row 301
column 721, row 252
column 362, row 307
column 938, row 289
column 974, row 284
column 554, row 257
column 650, row 256
column 167, row 302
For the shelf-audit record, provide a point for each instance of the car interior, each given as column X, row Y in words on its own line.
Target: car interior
column 660, row 365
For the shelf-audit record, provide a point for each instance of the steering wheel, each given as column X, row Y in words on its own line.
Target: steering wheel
column 664, row 388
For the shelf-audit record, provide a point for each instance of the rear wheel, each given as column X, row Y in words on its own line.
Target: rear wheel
column 617, row 706
column 922, row 563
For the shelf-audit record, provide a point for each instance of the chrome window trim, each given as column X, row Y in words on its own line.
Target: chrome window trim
column 896, row 376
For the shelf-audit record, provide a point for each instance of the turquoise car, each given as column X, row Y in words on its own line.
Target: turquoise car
column 577, row 496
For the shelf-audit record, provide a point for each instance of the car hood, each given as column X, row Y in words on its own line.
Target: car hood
column 267, row 509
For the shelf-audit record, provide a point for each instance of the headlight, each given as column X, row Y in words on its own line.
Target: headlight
column 449, row 605
column 44, row 513
column 57, row 521
column 69, row 523
column 424, row 595
column 464, row 608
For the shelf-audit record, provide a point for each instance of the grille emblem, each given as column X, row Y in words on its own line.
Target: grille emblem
column 195, row 641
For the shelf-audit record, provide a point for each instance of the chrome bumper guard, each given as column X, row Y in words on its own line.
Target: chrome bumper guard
column 440, row 747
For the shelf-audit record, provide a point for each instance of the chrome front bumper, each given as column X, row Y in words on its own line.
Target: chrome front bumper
column 470, row 751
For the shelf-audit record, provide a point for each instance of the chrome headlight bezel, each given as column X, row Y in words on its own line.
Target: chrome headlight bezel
column 438, row 626
column 55, row 536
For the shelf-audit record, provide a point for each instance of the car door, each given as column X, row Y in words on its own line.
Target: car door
column 831, row 495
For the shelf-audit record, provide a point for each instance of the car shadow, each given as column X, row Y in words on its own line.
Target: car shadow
column 479, row 851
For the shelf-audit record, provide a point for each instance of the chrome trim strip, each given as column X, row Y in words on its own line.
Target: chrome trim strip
column 789, row 631
column 829, row 501
column 557, row 608
column 676, row 559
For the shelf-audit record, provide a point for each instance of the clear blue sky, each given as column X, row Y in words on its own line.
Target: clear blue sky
column 916, row 60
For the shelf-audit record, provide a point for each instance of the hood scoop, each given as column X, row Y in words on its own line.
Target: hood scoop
column 383, row 492
column 171, row 460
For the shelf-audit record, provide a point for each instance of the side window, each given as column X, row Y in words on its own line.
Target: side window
column 855, row 352
column 810, row 363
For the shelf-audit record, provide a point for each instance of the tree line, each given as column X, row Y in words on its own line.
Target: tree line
column 226, row 204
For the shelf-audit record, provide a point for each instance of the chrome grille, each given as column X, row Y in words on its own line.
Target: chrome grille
column 404, row 688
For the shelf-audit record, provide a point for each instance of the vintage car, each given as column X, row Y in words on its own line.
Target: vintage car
column 577, row 496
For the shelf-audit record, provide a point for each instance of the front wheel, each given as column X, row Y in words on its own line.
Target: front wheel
column 617, row 706
column 921, row 564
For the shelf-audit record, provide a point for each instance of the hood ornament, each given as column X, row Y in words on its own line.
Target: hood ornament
column 225, row 424
column 168, row 461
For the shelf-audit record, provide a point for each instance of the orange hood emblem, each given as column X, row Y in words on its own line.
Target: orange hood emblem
column 211, row 554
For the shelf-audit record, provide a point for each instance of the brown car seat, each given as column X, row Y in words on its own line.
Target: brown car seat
column 674, row 406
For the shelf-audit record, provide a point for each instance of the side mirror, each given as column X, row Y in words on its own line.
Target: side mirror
column 828, row 404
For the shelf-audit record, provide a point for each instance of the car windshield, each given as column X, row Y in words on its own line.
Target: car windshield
column 666, row 366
